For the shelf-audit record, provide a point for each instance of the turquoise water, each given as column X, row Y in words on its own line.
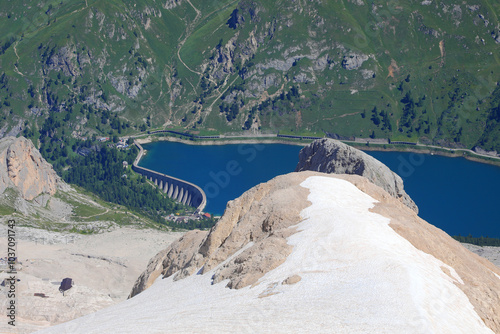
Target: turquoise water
column 454, row 194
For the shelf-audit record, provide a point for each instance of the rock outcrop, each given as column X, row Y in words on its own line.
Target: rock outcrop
column 28, row 184
column 333, row 156
column 175, row 257
column 354, row 61
column 312, row 252
column 259, row 221
column 23, row 167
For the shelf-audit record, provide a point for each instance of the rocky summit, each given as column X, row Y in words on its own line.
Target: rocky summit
column 23, row 168
column 310, row 252
column 333, row 156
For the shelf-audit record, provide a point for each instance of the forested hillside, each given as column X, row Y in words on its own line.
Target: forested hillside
column 404, row 70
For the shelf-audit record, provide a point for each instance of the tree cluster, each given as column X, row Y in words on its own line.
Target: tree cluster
column 481, row 241
column 102, row 173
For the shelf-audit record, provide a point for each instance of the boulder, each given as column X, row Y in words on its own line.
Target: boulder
column 332, row 156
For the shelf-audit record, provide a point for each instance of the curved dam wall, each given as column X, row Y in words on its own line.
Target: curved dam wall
column 182, row 191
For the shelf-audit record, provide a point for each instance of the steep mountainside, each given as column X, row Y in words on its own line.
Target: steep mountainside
column 405, row 70
column 311, row 252
column 33, row 195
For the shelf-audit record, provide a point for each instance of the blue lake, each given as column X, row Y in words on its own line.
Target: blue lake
column 455, row 194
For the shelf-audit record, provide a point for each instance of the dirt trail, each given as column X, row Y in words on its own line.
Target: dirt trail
column 17, row 62
column 97, row 214
column 189, row 30
column 218, row 97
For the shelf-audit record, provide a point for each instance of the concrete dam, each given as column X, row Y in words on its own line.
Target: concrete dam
column 182, row 191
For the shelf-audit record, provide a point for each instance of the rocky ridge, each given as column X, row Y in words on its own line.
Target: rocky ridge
column 251, row 249
column 246, row 220
column 251, row 240
column 23, row 167
column 333, row 156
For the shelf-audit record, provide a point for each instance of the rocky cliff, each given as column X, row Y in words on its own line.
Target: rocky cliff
column 28, row 184
column 260, row 227
column 332, row 156
column 23, row 167
column 311, row 252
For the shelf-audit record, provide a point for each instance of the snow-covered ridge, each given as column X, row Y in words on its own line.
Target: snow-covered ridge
column 357, row 275
column 375, row 263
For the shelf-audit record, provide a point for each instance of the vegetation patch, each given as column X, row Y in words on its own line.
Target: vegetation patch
column 481, row 241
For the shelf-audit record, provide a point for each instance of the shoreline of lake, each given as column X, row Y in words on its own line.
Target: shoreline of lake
column 198, row 142
column 443, row 189
column 360, row 146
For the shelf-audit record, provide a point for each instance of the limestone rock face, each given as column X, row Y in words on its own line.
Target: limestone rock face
column 255, row 224
column 333, row 156
column 23, row 167
column 311, row 252
column 174, row 258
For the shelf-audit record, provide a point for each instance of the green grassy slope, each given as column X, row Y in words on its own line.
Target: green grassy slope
column 406, row 70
